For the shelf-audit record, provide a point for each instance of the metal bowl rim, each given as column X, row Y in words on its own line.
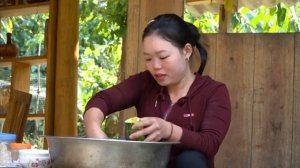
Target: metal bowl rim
column 113, row 140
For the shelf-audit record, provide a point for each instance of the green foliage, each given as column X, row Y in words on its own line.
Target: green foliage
column 102, row 26
column 28, row 33
column 34, row 133
column 206, row 23
column 278, row 19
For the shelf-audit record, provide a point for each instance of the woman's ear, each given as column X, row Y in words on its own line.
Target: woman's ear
column 187, row 51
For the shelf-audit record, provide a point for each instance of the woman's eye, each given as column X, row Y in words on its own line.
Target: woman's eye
column 148, row 59
column 164, row 57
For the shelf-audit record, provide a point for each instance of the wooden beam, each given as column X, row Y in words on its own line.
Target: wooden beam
column 203, row 2
column 33, row 60
column 27, row 9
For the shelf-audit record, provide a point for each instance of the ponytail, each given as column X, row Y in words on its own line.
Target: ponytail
column 194, row 40
column 203, row 57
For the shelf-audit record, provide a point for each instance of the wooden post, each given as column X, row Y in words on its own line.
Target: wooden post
column 226, row 12
column 65, row 118
column 51, row 61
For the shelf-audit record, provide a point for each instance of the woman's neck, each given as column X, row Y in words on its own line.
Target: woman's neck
column 181, row 88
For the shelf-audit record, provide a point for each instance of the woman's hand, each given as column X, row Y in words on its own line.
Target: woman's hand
column 153, row 128
column 93, row 118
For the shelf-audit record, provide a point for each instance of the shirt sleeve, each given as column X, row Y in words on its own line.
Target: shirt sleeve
column 214, row 126
column 121, row 96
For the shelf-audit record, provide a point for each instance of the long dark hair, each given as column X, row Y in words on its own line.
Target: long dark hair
column 174, row 29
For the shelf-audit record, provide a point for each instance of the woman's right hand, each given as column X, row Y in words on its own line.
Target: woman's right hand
column 92, row 120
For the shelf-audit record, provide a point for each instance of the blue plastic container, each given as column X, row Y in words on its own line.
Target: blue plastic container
column 8, row 138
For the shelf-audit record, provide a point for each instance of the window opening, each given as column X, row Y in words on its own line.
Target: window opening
column 281, row 18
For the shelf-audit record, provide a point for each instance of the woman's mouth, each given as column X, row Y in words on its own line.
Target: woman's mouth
column 159, row 77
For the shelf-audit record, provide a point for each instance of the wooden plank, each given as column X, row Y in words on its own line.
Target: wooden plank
column 194, row 2
column 132, row 38
column 32, row 116
column 16, row 116
column 209, row 41
column 26, row 9
column 20, row 76
column 203, row 2
column 5, row 63
column 33, row 60
column 152, row 8
column 129, row 59
column 234, row 67
column 296, row 115
column 145, row 17
column 273, row 100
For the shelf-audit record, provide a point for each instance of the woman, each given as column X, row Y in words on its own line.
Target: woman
column 174, row 103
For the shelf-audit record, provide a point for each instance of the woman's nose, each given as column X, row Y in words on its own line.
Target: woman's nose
column 156, row 64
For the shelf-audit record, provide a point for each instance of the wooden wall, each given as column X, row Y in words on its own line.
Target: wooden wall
column 262, row 72
column 296, row 110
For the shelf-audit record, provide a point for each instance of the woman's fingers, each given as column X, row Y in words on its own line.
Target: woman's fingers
column 155, row 136
column 144, row 122
column 143, row 130
column 151, row 127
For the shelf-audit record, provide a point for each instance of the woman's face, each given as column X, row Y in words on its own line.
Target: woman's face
column 167, row 64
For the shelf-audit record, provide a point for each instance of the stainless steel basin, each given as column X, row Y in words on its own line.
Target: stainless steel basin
column 107, row 153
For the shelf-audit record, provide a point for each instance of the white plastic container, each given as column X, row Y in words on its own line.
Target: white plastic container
column 5, row 153
column 15, row 148
column 34, row 158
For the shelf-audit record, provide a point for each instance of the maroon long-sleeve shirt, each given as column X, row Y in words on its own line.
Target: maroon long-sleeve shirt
column 204, row 113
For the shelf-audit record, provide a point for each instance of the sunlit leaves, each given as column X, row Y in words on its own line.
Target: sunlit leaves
column 206, row 23
column 28, row 33
column 278, row 19
column 102, row 26
column 281, row 15
column 94, row 79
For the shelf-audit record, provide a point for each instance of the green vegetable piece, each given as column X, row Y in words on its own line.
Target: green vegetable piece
column 128, row 128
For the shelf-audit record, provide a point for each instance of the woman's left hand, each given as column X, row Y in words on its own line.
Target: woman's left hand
column 153, row 128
